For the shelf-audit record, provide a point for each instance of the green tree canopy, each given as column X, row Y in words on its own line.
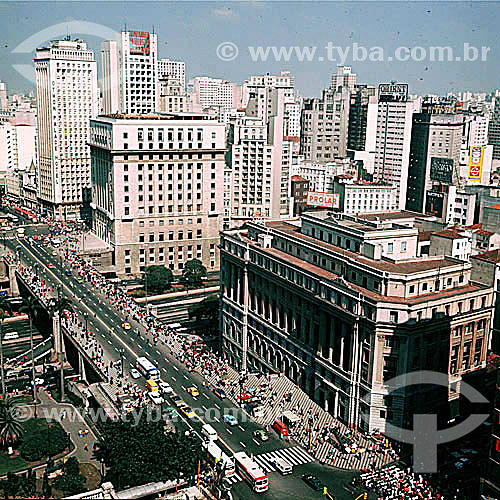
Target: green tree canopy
column 144, row 453
column 11, row 428
column 157, row 279
column 193, row 272
column 208, row 308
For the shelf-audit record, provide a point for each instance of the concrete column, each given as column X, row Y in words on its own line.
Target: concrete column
column 14, row 287
column 56, row 333
column 81, row 367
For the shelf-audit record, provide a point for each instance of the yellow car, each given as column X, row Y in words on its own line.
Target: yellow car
column 193, row 391
column 188, row 411
column 126, row 326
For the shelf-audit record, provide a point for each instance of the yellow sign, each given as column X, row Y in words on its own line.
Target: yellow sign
column 476, row 154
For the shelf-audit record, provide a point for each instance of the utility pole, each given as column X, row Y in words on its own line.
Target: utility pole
column 61, row 343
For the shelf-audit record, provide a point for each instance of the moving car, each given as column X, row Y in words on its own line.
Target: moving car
column 134, row 373
column 312, row 481
column 188, row 411
column 79, row 280
column 165, row 388
column 51, row 266
column 230, row 419
column 219, row 392
column 67, row 272
column 283, row 466
column 260, row 435
column 54, row 253
column 193, row 391
column 155, row 398
column 126, row 326
column 180, row 403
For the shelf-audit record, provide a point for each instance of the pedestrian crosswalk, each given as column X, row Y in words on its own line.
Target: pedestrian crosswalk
column 295, row 456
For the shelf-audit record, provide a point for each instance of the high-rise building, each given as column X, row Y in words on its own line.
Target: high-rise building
column 17, row 147
column 343, row 304
column 343, row 78
column 66, row 82
column 436, row 140
column 156, row 184
column 130, row 73
column 324, row 125
column 205, row 92
column 362, row 119
column 173, row 69
column 494, row 130
column 393, row 137
column 172, row 95
column 3, row 95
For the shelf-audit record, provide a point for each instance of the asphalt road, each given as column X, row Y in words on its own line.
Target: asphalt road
column 106, row 323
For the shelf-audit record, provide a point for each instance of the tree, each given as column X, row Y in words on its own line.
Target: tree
column 193, row 272
column 207, row 309
column 56, row 308
column 5, row 308
column 137, row 454
column 11, row 429
column 28, row 483
column 12, row 486
column 71, row 481
column 157, row 279
column 31, row 307
column 43, row 442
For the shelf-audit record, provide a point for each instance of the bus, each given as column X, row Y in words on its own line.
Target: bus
column 251, row 472
column 215, row 455
column 147, row 369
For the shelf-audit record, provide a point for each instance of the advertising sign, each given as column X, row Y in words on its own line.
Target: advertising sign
column 139, row 43
column 434, row 204
column 441, row 169
column 393, row 92
column 327, row 200
column 476, row 163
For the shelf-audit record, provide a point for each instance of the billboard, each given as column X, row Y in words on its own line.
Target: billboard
column 441, row 169
column 393, row 92
column 327, row 200
column 139, row 43
column 434, row 204
column 476, row 154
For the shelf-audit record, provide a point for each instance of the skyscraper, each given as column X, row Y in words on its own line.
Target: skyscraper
column 130, row 73
column 3, row 95
column 392, row 143
column 172, row 69
column 66, row 82
column 494, row 130
column 343, row 78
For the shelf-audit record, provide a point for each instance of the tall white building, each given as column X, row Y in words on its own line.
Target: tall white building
column 130, row 73
column 392, row 144
column 205, row 92
column 66, row 82
column 3, row 95
column 17, row 147
column 475, row 133
column 173, row 69
column 343, row 78
column 172, row 95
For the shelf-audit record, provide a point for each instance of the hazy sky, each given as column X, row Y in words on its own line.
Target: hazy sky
column 192, row 31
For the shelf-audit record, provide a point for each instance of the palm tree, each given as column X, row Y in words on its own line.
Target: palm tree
column 56, row 308
column 31, row 307
column 4, row 309
column 11, row 429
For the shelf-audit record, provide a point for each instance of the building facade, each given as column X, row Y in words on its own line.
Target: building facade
column 66, row 83
column 173, row 69
column 205, row 92
column 156, row 184
column 341, row 305
column 172, row 95
column 130, row 73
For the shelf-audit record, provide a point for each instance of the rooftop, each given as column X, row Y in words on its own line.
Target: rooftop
column 451, row 234
column 406, row 267
column 490, row 255
column 401, row 214
column 158, row 116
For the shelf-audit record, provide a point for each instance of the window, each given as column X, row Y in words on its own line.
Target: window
column 403, row 246
column 393, row 316
column 390, row 247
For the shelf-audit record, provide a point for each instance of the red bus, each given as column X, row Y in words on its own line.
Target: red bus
column 251, row 472
column 23, row 212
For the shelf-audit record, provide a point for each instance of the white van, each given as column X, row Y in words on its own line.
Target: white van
column 11, row 335
column 284, row 467
column 208, row 431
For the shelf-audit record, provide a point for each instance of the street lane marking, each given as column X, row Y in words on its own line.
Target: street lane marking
column 217, row 420
column 109, row 342
column 243, row 444
column 175, row 368
column 204, row 408
column 164, row 369
column 230, row 432
column 241, row 428
column 218, row 406
column 257, row 443
column 183, row 387
column 174, row 379
column 205, row 396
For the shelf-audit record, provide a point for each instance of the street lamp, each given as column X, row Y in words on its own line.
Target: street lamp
column 121, row 352
column 86, row 317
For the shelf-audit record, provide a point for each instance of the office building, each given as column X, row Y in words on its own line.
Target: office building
column 205, row 92
column 358, row 197
column 172, row 95
column 66, row 83
column 156, row 183
column 494, row 130
column 325, row 126
column 342, row 304
column 436, row 141
column 3, row 96
column 393, row 137
column 17, row 147
column 300, row 187
column 362, row 119
column 173, row 69
column 130, row 73
column 344, row 77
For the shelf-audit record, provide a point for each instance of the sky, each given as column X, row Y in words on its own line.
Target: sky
column 193, row 31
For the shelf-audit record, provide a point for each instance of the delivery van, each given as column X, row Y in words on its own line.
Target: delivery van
column 152, row 385
column 209, row 432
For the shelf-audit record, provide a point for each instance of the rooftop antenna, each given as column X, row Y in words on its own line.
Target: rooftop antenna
column 153, row 29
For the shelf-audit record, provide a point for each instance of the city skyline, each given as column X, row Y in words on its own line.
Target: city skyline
column 180, row 27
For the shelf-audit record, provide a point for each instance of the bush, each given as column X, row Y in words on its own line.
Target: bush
column 39, row 441
column 58, row 440
column 70, row 484
column 33, row 447
column 137, row 293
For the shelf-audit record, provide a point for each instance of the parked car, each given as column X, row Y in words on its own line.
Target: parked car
column 134, row 373
column 230, row 419
column 219, row 392
column 165, row 388
column 126, row 326
column 188, row 411
column 193, row 391
column 312, row 481
column 155, row 398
